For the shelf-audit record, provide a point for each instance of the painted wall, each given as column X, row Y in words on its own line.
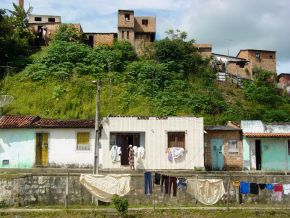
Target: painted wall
column 274, row 153
column 62, row 145
column 17, row 146
column 156, row 141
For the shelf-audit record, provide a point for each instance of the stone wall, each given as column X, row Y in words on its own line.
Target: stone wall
column 50, row 190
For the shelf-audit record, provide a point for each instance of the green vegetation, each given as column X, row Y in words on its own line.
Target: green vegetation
column 15, row 39
column 121, row 204
column 171, row 78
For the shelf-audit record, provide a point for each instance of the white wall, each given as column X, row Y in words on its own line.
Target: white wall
column 156, row 141
column 62, row 147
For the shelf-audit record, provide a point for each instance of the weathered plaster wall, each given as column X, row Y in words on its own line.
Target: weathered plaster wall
column 18, row 147
column 50, row 190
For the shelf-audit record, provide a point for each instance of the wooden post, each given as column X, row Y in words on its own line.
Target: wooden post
column 153, row 191
column 66, row 191
column 97, row 133
column 97, row 126
column 228, row 192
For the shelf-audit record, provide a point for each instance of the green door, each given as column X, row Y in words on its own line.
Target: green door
column 217, row 156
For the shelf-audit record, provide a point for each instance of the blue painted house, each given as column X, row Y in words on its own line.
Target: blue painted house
column 266, row 146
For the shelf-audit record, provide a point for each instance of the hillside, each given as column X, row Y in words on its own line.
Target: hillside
column 170, row 79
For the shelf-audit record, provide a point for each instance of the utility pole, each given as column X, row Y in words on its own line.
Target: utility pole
column 97, row 129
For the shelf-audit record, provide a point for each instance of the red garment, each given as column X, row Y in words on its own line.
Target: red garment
column 278, row 188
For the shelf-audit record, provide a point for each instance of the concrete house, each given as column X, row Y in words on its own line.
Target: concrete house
column 266, row 146
column 30, row 141
column 223, row 148
column 157, row 136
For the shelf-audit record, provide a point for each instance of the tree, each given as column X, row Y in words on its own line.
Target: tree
column 182, row 55
column 68, row 33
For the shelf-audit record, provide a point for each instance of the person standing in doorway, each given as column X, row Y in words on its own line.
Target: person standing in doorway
column 131, row 157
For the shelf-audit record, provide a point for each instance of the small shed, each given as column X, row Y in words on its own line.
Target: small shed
column 223, row 148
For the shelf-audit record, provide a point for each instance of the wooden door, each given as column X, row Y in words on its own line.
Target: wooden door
column 217, row 156
column 41, row 158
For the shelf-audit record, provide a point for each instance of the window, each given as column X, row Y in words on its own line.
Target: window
column 37, row 19
column 289, row 147
column 145, row 22
column 271, row 56
column 83, row 141
column 5, row 162
column 51, row 19
column 176, row 139
column 122, row 34
column 128, row 34
column 258, row 56
column 127, row 17
column 233, row 147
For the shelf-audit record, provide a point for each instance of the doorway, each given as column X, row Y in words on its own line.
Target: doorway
column 217, row 156
column 258, row 155
column 123, row 140
column 41, row 158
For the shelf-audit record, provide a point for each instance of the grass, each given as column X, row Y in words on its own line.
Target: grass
column 151, row 213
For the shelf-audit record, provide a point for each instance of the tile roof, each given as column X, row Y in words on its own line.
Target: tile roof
column 267, row 135
column 22, row 121
column 17, row 121
column 221, row 128
column 54, row 123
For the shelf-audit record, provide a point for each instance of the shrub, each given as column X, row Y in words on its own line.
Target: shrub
column 121, row 204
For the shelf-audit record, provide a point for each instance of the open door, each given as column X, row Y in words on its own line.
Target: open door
column 217, row 156
column 41, row 158
column 258, row 154
column 123, row 140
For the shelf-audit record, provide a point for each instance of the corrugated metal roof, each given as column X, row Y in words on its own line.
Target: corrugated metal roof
column 221, row 128
column 267, row 135
column 25, row 121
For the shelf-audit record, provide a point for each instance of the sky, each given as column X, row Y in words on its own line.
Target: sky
column 229, row 25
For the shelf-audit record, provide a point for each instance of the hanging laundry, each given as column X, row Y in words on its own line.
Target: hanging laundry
column 236, row 183
column 278, row 187
column 169, row 154
column 254, row 188
column 135, row 148
column 181, row 184
column 286, row 189
column 262, row 186
column 269, row 187
column 244, row 188
column 165, row 181
column 172, row 185
column 140, row 152
column 157, row 179
column 147, row 183
column 103, row 187
column 115, row 153
column 206, row 191
column 177, row 152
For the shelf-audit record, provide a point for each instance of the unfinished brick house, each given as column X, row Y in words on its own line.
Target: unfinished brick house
column 44, row 26
column 223, row 148
column 139, row 31
column 243, row 65
column 95, row 39
column 205, row 50
column 258, row 59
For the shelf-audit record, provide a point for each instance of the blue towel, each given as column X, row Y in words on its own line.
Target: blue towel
column 269, row 187
column 244, row 188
